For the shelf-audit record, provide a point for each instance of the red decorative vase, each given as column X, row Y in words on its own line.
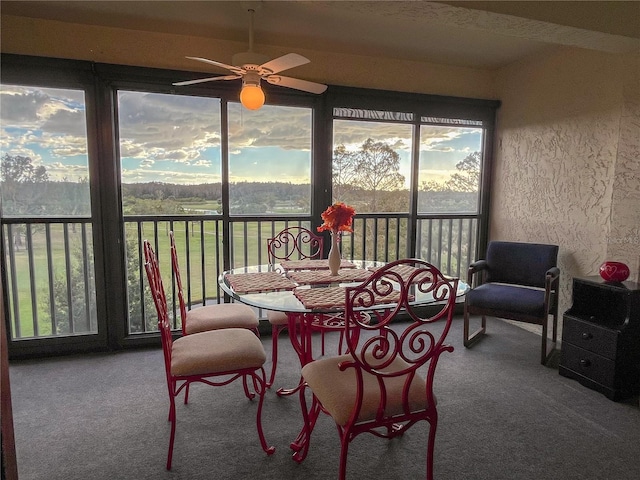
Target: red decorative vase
column 614, row 271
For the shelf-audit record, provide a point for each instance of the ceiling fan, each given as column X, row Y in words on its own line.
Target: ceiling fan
column 252, row 67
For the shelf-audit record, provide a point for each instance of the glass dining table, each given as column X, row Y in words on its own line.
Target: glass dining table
column 304, row 290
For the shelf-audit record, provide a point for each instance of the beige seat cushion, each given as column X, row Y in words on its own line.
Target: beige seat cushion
column 221, row 315
column 277, row 318
column 337, row 389
column 216, row 351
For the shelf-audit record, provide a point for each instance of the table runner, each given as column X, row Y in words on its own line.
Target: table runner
column 258, row 282
column 312, row 264
column 334, row 297
column 317, row 277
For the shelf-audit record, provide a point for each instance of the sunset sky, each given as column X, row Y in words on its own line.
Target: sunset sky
column 176, row 138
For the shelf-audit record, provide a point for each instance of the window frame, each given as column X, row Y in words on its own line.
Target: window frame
column 101, row 83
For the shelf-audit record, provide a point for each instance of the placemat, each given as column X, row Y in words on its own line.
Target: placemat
column 405, row 271
column 324, row 276
column 334, row 297
column 312, row 264
column 258, row 282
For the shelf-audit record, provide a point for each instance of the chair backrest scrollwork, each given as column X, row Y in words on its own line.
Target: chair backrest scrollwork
column 394, row 351
column 294, row 243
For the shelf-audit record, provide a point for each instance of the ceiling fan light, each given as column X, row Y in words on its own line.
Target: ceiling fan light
column 252, row 97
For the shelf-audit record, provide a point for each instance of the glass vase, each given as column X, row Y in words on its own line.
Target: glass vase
column 334, row 254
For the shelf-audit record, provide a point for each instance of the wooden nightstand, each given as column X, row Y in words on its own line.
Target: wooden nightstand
column 601, row 337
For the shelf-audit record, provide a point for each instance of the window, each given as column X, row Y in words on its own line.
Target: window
column 44, row 152
column 372, row 163
column 449, row 171
column 170, row 153
column 102, row 177
column 269, row 160
column 46, row 207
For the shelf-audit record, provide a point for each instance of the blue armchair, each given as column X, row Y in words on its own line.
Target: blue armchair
column 520, row 283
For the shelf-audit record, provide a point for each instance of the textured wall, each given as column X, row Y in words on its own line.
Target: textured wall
column 624, row 238
column 567, row 159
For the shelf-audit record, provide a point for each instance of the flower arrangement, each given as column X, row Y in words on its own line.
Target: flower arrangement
column 337, row 218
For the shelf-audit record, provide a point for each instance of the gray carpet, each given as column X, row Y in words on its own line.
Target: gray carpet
column 502, row 416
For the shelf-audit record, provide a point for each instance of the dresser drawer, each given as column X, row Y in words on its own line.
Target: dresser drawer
column 589, row 336
column 588, row 364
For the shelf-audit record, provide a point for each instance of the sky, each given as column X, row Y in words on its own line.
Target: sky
column 176, row 138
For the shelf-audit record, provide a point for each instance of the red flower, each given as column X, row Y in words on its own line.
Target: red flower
column 337, row 217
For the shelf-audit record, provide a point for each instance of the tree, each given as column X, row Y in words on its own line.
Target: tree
column 155, row 206
column 70, row 289
column 433, row 186
column 458, row 194
column 136, row 319
column 80, row 281
column 468, row 177
column 371, row 170
column 22, row 185
column 369, row 179
column 344, row 171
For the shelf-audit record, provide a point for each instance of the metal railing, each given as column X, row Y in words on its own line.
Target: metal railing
column 50, row 277
column 49, row 261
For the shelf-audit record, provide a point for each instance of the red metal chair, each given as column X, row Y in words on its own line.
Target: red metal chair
column 376, row 387
column 210, row 317
column 215, row 357
column 292, row 243
column 297, row 243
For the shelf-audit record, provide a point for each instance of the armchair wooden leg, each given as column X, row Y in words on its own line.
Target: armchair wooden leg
column 469, row 340
column 545, row 356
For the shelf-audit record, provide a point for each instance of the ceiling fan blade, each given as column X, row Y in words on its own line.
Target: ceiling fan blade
column 296, row 83
column 285, row 62
column 210, row 79
column 218, row 64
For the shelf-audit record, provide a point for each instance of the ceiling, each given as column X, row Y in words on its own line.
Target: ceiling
column 479, row 34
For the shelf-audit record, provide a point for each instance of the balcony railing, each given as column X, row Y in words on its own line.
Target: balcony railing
column 49, row 277
column 49, row 262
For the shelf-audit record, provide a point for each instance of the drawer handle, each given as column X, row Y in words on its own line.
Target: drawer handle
column 586, row 336
column 585, row 363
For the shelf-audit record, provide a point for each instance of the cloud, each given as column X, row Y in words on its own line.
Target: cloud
column 44, row 124
column 177, row 138
column 352, row 134
column 17, row 151
column 52, row 110
column 172, row 128
column 255, row 129
column 20, row 106
column 148, row 163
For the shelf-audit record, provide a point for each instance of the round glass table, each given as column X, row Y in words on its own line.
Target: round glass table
column 307, row 292
column 277, row 287
column 309, row 295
